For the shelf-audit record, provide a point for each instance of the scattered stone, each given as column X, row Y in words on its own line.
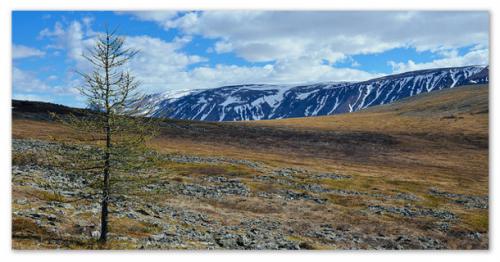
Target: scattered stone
column 274, row 180
column 22, row 201
column 132, row 215
column 443, row 226
column 56, row 204
column 406, row 196
column 288, row 172
column 176, row 227
column 331, row 176
column 336, row 237
column 143, row 212
column 95, row 234
column 292, row 195
column 413, row 212
column 468, row 201
column 315, row 188
column 231, row 187
column 212, row 160
column 255, row 235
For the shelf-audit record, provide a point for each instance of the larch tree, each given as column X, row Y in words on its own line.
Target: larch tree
column 116, row 123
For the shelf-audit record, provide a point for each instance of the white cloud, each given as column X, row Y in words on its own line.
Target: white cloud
column 296, row 44
column 295, row 72
column 267, row 36
column 160, row 63
column 21, row 51
column 56, row 32
column 24, row 81
column 52, row 77
column 187, row 20
column 163, row 18
column 223, row 47
column 32, row 97
column 294, row 47
column 451, row 59
column 157, row 16
column 74, row 39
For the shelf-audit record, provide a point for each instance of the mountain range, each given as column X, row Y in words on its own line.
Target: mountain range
column 264, row 101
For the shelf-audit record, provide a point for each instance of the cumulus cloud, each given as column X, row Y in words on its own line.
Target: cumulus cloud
column 21, row 51
column 160, row 63
column 297, row 44
column 24, row 82
column 290, row 47
column 73, row 39
column 32, row 97
column 223, row 47
column 267, row 36
column 27, row 86
column 187, row 20
column 163, row 65
column 451, row 59
column 163, row 18
column 57, row 31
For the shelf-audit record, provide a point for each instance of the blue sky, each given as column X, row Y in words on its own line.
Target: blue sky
column 206, row 49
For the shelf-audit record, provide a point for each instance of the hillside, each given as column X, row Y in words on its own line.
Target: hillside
column 450, row 110
column 409, row 175
column 263, row 101
column 40, row 110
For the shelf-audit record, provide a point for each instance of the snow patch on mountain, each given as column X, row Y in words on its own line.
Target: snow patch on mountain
column 262, row 101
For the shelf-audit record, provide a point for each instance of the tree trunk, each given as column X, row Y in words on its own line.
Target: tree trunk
column 105, row 188
column 105, row 191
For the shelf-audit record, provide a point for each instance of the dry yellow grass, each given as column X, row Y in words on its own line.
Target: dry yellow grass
column 430, row 146
column 430, row 113
column 436, row 140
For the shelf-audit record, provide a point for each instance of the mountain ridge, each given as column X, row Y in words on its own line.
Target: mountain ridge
column 266, row 101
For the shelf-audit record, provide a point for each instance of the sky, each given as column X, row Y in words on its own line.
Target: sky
column 207, row 49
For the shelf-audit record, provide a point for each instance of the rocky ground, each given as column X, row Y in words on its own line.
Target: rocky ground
column 221, row 203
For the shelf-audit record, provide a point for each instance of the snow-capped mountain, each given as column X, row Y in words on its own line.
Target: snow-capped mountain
column 159, row 102
column 255, row 102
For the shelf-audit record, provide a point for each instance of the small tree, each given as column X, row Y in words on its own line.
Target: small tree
column 115, row 121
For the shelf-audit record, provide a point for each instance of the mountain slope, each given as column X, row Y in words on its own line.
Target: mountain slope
column 387, row 175
column 454, row 111
column 257, row 102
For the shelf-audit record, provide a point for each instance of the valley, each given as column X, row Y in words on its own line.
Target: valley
column 412, row 174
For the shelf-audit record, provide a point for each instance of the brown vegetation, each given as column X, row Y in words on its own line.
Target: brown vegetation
column 435, row 140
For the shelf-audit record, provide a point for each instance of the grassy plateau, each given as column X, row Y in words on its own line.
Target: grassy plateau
column 409, row 175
